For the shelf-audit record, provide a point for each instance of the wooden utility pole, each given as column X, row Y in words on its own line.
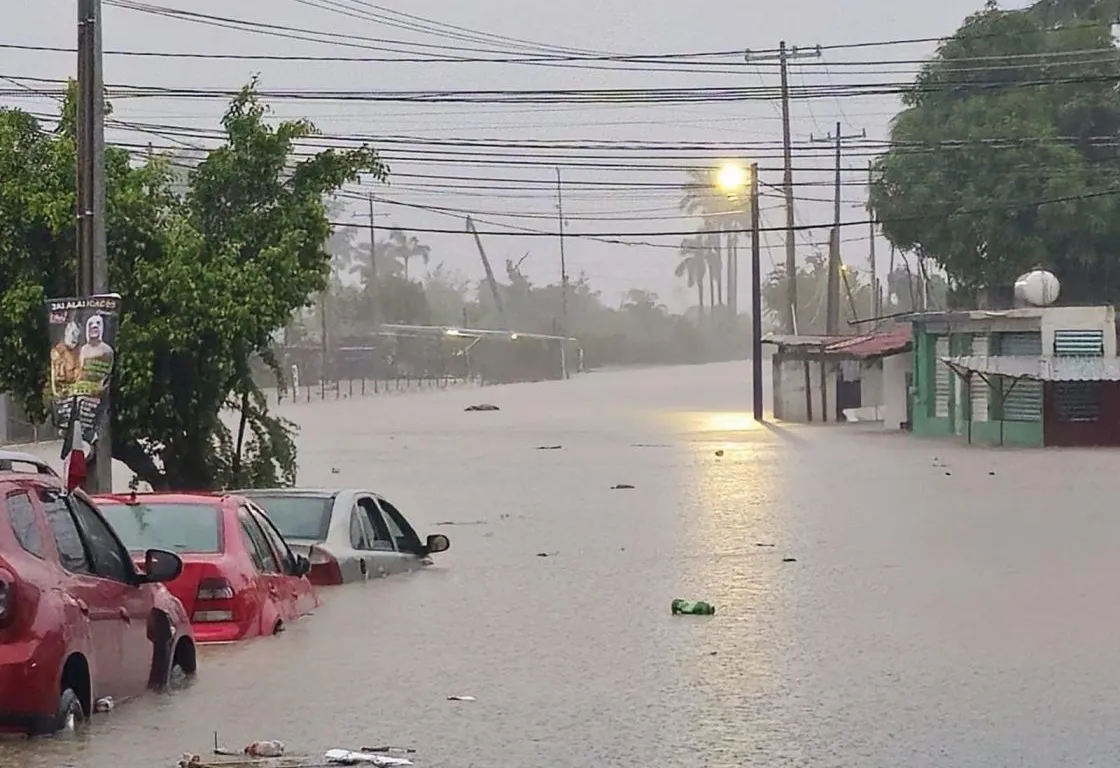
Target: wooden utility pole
column 93, row 267
column 374, row 286
column 832, row 317
column 876, row 299
column 784, row 55
column 563, row 261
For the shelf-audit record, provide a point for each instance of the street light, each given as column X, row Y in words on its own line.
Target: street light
column 732, row 179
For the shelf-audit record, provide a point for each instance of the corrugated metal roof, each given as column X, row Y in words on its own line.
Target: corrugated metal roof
column 1041, row 368
column 873, row 345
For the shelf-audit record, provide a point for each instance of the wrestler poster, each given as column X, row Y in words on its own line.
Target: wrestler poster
column 83, row 336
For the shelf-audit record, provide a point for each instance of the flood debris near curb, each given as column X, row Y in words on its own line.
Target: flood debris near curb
column 622, row 487
column 482, row 407
column 103, row 705
column 270, row 754
column 547, row 554
column 789, row 559
column 461, row 698
column 269, row 748
column 550, row 447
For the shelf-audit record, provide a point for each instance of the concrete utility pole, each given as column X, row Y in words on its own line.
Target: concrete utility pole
column 93, row 266
column 563, row 260
column 833, row 300
column 783, row 56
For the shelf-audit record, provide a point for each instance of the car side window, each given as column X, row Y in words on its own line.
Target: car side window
column 402, row 533
column 287, row 561
column 71, row 551
column 359, row 535
column 24, row 523
column 110, row 560
column 382, row 538
column 259, row 550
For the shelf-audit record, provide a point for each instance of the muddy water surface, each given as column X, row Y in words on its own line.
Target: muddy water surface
column 930, row 619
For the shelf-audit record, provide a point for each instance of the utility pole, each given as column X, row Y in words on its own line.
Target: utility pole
column 563, row 261
column 784, row 55
column 876, row 301
column 833, row 301
column 374, row 283
column 756, row 297
column 93, row 267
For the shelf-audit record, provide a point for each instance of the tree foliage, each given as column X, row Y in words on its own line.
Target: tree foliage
column 209, row 272
column 1005, row 156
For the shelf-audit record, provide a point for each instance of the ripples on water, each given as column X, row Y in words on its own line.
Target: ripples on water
column 966, row 620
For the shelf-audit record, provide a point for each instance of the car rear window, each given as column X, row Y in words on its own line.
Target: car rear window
column 297, row 517
column 189, row 528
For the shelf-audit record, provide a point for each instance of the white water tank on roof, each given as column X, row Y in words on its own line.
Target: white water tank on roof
column 1038, row 288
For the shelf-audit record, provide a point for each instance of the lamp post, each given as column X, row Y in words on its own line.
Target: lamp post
column 732, row 178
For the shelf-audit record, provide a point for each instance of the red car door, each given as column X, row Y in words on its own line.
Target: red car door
column 268, row 577
column 93, row 595
column 130, row 601
column 296, row 587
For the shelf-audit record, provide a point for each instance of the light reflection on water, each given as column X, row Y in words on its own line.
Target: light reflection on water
column 930, row 620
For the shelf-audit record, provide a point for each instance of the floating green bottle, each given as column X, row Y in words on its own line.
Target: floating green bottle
column 693, row 607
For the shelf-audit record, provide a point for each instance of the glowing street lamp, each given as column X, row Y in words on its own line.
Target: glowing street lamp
column 732, row 179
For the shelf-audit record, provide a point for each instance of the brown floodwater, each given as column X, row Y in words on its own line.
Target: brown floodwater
column 935, row 615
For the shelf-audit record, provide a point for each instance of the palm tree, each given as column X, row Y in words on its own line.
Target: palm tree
column 694, row 266
column 404, row 247
column 723, row 216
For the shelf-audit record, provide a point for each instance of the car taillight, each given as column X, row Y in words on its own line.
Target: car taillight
column 213, row 602
column 214, row 589
column 7, row 603
column 324, row 567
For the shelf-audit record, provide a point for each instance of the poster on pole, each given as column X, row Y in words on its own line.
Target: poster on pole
column 83, row 337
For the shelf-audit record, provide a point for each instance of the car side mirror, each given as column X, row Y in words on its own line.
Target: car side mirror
column 161, row 566
column 303, row 566
column 437, row 543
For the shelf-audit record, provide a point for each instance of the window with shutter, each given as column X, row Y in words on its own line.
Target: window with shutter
column 1088, row 343
column 979, row 387
column 941, row 378
column 1024, row 400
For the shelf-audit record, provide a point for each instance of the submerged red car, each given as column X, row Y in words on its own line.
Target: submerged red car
column 240, row 579
column 78, row 620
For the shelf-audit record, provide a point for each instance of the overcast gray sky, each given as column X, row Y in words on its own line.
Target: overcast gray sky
column 635, row 199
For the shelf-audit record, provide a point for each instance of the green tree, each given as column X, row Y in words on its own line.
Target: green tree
column 812, row 293
column 1010, row 113
column 207, row 279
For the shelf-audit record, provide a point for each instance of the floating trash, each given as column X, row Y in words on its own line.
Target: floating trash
column 461, row 698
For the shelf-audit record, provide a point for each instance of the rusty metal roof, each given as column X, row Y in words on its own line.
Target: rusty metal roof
column 872, row 345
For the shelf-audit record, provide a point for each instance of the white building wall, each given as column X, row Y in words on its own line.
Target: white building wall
column 1079, row 319
column 895, row 394
column 789, row 391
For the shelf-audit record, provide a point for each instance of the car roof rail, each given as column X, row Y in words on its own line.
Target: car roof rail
column 17, row 461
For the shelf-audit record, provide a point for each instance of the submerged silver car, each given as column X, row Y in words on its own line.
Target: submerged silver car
column 347, row 534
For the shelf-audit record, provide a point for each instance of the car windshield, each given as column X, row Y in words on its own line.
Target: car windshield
column 297, row 517
column 189, row 528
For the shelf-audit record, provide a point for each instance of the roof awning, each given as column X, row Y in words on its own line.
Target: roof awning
column 1038, row 367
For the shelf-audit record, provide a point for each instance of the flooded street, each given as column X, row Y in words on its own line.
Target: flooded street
column 935, row 615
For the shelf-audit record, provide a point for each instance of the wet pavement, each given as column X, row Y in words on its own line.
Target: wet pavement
column 935, row 615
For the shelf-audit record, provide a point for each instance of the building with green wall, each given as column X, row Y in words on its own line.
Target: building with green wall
column 961, row 386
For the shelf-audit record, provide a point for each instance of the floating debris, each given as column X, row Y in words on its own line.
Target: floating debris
column 265, row 749
column 719, row 452
column 765, row 545
column 549, row 447
column 103, row 705
column 622, row 487
column 461, row 698
column 348, row 757
column 547, row 554
column 789, row 559
column 390, row 750
column 482, row 407
column 692, row 607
